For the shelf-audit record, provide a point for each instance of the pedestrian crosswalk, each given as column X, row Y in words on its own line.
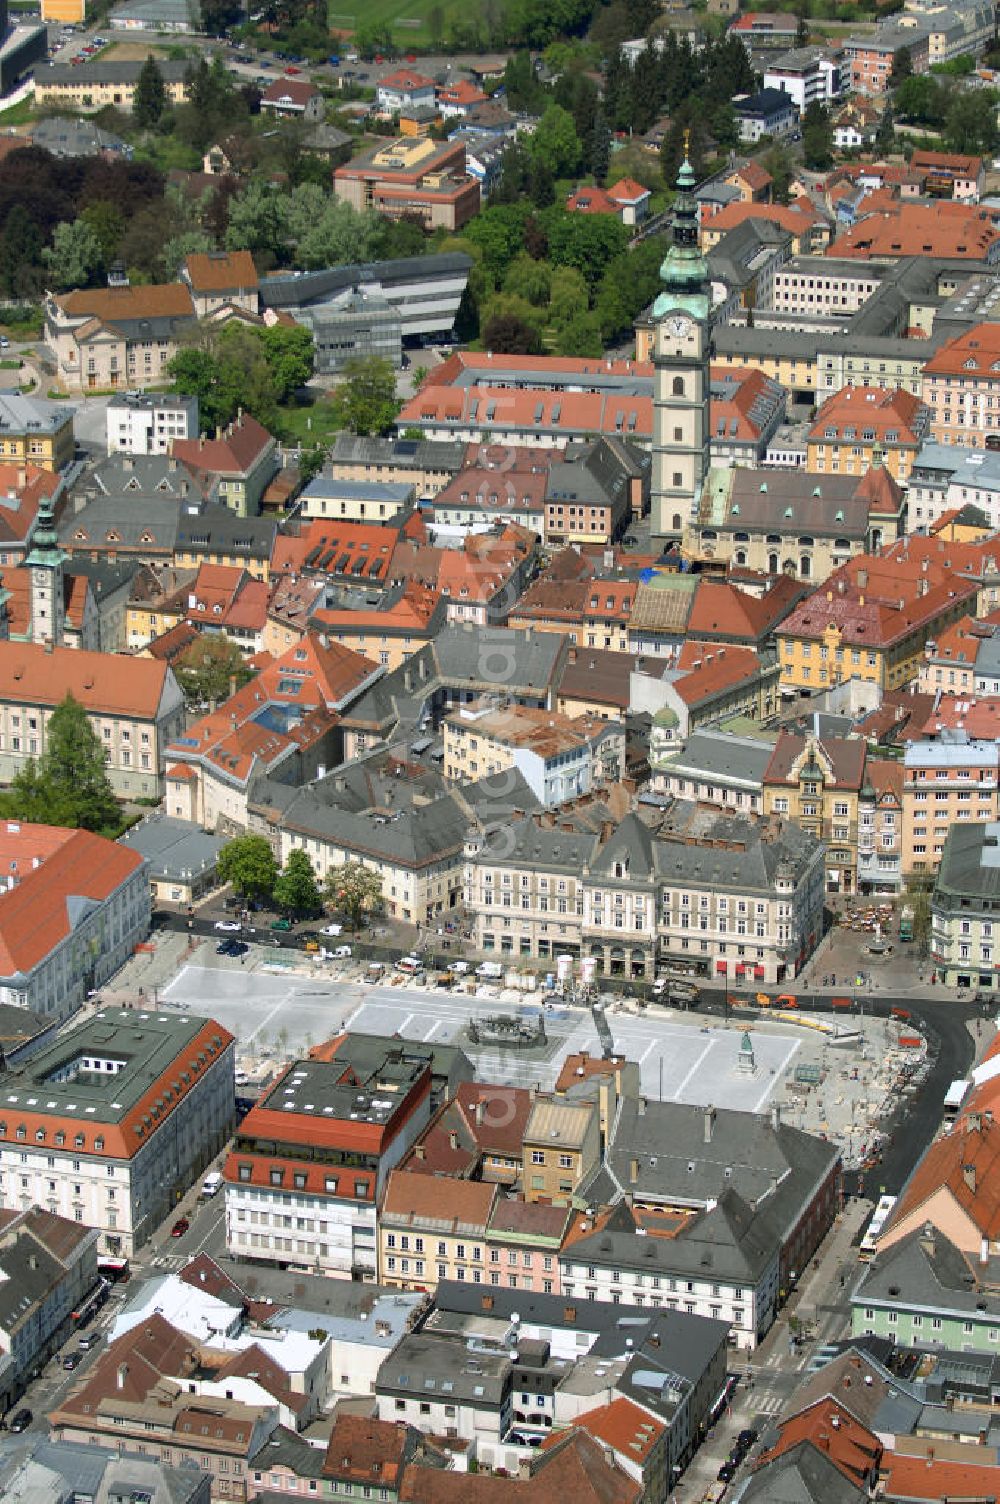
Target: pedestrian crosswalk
column 768, row 1404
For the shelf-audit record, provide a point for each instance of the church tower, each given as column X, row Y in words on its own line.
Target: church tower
column 681, row 381
column 45, row 562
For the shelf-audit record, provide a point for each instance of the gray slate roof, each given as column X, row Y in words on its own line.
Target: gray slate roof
column 745, row 1153
column 716, row 754
column 802, row 1475
column 931, row 1273
column 309, row 287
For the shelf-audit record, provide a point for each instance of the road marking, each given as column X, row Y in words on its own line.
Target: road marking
column 648, row 1050
column 433, row 1030
column 407, row 1020
column 710, row 1046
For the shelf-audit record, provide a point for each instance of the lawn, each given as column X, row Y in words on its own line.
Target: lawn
column 407, row 19
column 308, row 424
column 19, row 114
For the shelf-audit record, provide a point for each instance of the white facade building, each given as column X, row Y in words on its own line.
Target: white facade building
column 110, row 1124
column 946, row 477
column 808, row 75
column 148, row 422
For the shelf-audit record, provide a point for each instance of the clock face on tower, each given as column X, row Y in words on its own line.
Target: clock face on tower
column 679, row 325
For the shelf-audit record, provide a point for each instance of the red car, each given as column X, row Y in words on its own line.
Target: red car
column 180, row 1227
column 292, row 71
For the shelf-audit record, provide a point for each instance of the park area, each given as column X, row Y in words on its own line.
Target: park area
column 419, row 23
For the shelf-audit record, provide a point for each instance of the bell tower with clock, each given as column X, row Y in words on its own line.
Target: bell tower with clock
column 681, row 380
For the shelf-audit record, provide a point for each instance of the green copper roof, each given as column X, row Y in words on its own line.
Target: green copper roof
column 45, row 550
column 684, row 272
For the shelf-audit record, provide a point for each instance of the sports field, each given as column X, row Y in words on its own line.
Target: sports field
column 406, row 19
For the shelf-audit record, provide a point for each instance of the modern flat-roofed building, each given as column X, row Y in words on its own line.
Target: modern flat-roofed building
column 868, row 60
column 412, row 176
column 111, row 1123
column 148, row 422
column 823, row 286
column 950, row 781
column 311, row 1160
column 809, row 75
column 422, row 292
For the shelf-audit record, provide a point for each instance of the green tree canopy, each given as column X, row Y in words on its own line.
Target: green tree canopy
column 366, row 401
column 210, row 669
column 150, row 94
column 556, row 143
column 817, row 138
column 354, row 890
column 75, row 257
column 68, row 785
column 248, row 864
column 295, row 890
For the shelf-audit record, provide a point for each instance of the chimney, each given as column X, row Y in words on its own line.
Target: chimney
column 408, row 680
column 928, row 1240
column 861, row 579
column 453, row 1139
column 969, row 1176
column 709, row 1123
column 642, row 1107
column 633, row 1172
column 480, row 1113
column 984, row 1250
column 419, row 1151
column 775, row 1116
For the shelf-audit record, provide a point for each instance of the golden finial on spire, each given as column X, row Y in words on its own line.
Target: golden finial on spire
column 687, row 142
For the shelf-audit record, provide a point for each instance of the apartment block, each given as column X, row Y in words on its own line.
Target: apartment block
column 817, row 782
column 427, row 1234
column 36, row 432
column 823, row 286
column 313, row 1157
column 638, row 896
column 412, row 176
column 808, row 75
column 110, row 1124
column 562, row 1147
column 868, row 59
column 947, row 477
column 950, row 781
column 148, row 422
column 84, row 88
column 560, row 759
column 965, row 920
column 862, row 425
column 960, row 386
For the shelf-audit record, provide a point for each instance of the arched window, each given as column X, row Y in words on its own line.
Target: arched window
column 772, row 563
column 805, row 567
column 678, row 386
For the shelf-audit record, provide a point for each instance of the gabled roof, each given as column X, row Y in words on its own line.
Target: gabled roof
column 234, row 451
column 417, row 1200
column 295, row 91
column 965, row 1165
column 621, row 1425
column 831, row 1429
column 845, row 756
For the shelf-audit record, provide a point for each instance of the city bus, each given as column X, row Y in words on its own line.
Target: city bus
column 873, row 1231
column 116, row 1271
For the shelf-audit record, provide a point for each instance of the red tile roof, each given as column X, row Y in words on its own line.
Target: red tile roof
column 628, row 1430
column 572, row 1466
column 372, row 1452
column 627, row 191
column 846, row 756
column 405, row 81
column 966, row 1164
column 907, row 229
column 415, row 1198
column 851, row 1447
column 103, row 683
column 22, row 488
column 592, row 201
column 929, row 1478
column 976, row 353
column 221, row 271
column 289, row 90
column 881, row 410
column 234, row 451
column 709, row 669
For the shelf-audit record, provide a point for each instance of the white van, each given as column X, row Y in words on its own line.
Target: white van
column 211, row 1187
column 410, row 964
column 490, row 971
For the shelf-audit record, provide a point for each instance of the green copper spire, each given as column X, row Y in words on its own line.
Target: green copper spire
column 45, row 550
column 684, row 273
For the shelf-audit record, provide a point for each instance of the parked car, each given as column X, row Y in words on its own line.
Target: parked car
column 332, row 929
column 72, row 1360
column 89, row 1340
column 229, row 926
column 281, row 924
column 231, row 948
column 341, row 952
column 180, row 1227
column 726, row 1473
column 748, row 1437
column 20, row 1421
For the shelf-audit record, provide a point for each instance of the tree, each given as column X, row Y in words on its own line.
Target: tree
column 922, row 99
column 108, row 223
column 68, row 785
column 779, row 164
column 885, row 136
column 902, row 67
column 295, row 890
column 970, row 124
column 529, row 279
column 353, row 889
column 581, row 335
column 556, row 143
column 150, row 94
column 210, row 670
column 20, row 253
column 75, row 257
column 366, row 402
column 817, row 138
column 248, row 864
column 507, row 334
column 290, row 357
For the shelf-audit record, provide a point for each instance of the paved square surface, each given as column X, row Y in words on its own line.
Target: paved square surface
column 276, row 1014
